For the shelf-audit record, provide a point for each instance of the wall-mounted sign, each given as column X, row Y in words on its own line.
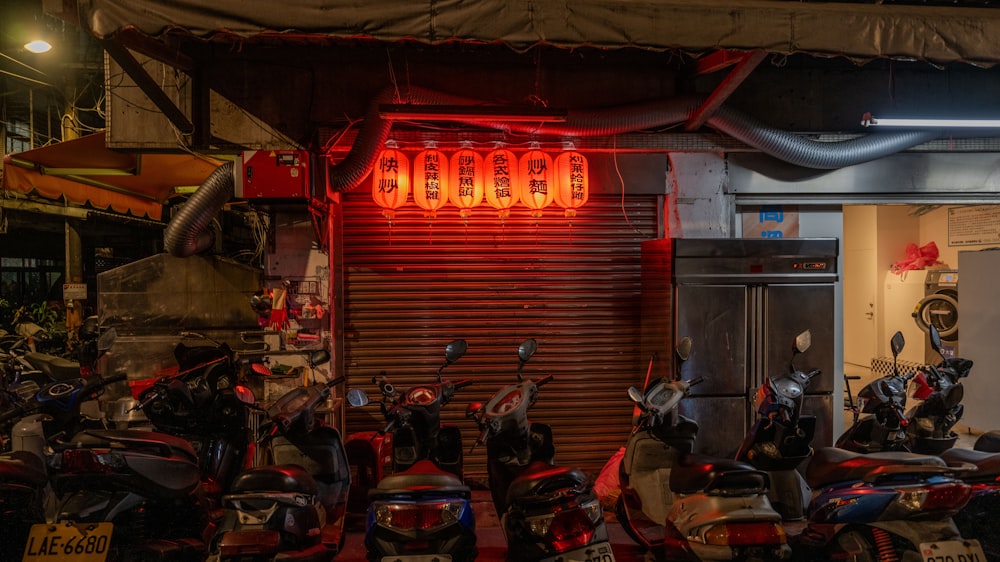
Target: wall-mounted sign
column 770, row 221
column 74, row 291
column 968, row 226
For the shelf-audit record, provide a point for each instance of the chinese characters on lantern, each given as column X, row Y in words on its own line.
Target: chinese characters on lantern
column 466, row 178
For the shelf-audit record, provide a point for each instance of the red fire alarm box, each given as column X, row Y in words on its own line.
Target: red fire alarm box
column 273, row 174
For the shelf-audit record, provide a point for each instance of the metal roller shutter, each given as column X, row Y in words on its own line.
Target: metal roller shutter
column 413, row 286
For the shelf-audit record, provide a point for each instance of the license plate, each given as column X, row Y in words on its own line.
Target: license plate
column 952, row 551
column 418, row 558
column 68, row 542
column 600, row 552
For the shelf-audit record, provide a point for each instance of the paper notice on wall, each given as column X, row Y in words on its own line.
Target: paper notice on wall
column 969, row 226
column 770, row 221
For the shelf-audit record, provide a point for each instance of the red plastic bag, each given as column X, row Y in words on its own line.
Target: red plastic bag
column 607, row 484
column 917, row 258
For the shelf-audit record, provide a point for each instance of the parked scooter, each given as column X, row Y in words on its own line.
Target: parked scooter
column 931, row 422
column 422, row 511
column 119, row 495
column 48, row 413
column 884, row 400
column 720, row 509
column 413, row 431
column 878, row 502
column 293, row 508
column 659, row 436
column 205, row 403
column 547, row 512
column 781, row 438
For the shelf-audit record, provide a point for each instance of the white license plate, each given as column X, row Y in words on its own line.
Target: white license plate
column 600, row 552
column 68, row 542
column 418, row 558
column 952, row 551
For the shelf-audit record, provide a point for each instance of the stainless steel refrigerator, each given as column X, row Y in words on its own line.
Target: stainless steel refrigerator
column 743, row 301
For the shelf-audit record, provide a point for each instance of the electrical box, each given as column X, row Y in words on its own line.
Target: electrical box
column 273, row 174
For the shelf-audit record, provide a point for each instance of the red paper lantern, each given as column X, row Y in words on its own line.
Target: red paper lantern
column 391, row 180
column 501, row 183
column 430, row 181
column 536, row 180
column 466, row 181
column 572, row 181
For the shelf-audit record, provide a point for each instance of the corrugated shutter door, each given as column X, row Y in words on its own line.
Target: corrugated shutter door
column 413, row 286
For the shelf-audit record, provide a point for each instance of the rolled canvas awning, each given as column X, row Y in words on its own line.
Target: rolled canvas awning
column 83, row 171
column 858, row 31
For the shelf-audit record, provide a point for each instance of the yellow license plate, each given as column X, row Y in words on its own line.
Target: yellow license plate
column 68, row 542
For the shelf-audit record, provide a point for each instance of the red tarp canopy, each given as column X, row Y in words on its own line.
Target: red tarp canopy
column 84, row 171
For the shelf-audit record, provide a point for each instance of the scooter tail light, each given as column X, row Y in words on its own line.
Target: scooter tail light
column 418, row 516
column 942, row 497
column 746, row 534
column 567, row 529
column 82, row 461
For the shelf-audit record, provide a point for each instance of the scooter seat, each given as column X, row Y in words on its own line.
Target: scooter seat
column 696, row 473
column 832, row 464
column 55, row 367
column 987, row 463
column 539, row 480
column 423, row 476
column 22, row 466
column 275, row 478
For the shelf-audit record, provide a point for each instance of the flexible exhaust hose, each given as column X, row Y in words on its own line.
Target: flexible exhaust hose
column 187, row 233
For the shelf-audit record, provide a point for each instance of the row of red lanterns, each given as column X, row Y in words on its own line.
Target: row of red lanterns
column 466, row 178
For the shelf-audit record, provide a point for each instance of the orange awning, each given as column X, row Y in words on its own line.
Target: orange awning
column 85, row 171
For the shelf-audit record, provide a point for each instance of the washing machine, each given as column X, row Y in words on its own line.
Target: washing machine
column 939, row 308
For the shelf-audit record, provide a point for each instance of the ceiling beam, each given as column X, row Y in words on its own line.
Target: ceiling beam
column 745, row 64
column 148, row 85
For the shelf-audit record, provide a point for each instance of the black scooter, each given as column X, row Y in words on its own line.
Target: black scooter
column 884, row 400
column 939, row 388
column 292, row 509
column 547, row 512
column 780, row 440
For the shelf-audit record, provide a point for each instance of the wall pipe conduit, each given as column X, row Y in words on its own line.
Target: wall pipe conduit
column 187, row 233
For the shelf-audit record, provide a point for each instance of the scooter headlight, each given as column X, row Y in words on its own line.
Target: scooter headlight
column 417, row 516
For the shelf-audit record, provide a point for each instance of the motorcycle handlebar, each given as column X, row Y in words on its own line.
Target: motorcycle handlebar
column 336, row 381
column 695, row 381
column 462, row 384
column 813, row 373
column 544, row 380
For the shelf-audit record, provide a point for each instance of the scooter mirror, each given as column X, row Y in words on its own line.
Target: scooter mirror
column 454, row 350
column 319, row 357
column 935, row 338
column 472, row 409
column 803, row 341
column 684, row 348
column 635, row 395
column 357, row 397
column 896, row 343
column 107, row 339
column 527, row 348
